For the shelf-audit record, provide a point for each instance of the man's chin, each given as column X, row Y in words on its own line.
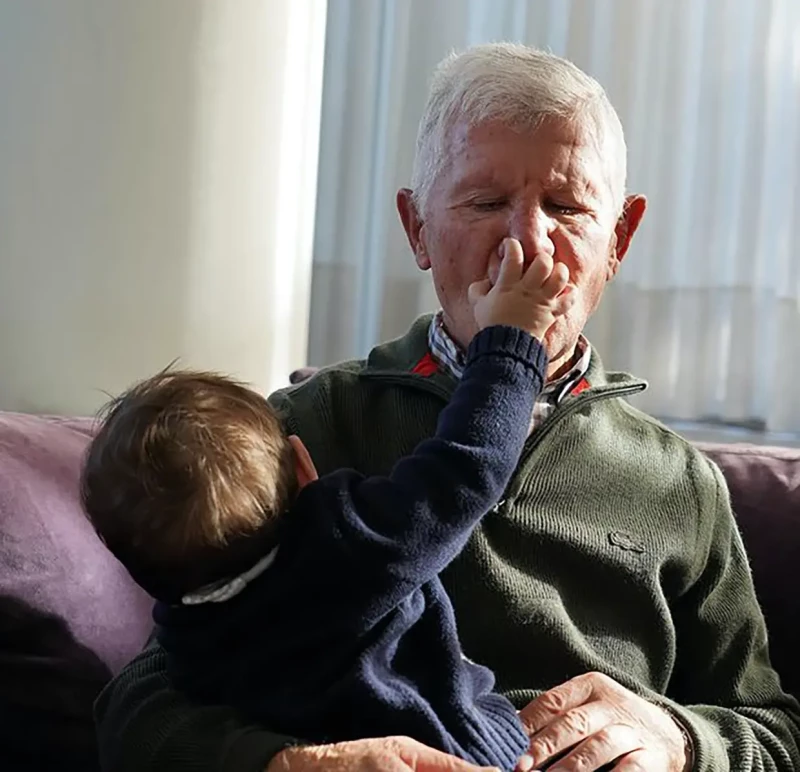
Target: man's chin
column 560, row 342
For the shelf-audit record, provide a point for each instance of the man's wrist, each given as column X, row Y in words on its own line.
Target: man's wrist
column 282, row 761
column 688, row 743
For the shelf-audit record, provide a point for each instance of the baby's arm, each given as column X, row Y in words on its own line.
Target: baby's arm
column 392, row 534
column 385, row 536
column 403, row 529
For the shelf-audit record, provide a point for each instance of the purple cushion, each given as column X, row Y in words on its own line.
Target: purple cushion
column 70, row 616
column 765, row 493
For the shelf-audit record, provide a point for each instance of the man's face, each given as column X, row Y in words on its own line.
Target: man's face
column 550, row 189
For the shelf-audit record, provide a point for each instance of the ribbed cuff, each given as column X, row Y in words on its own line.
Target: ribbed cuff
column 491, row 734
column 508, row 341
column 254, row 749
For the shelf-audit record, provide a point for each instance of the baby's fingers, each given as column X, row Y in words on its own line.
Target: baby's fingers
column 538, row 272
column 557, row 280
column 477, row 290
column 512, row 265
column 564, row 302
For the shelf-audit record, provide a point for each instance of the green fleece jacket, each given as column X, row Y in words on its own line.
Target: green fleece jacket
column 614, row 550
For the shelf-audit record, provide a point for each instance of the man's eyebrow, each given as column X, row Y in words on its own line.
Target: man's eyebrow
column 474, row 180
column 578, row 186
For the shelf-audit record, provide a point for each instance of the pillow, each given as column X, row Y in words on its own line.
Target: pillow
column 70, row 616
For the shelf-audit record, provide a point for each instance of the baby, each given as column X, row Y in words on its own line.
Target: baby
column 313, row 604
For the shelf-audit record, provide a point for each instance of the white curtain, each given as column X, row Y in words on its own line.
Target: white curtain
column 707, row 305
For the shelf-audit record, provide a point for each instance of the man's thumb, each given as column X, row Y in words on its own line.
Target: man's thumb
column 425, row 759
column 436, row 761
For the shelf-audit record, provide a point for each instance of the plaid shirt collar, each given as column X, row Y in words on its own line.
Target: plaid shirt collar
column 450, row 357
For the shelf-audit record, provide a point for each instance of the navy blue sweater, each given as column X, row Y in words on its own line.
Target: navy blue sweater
column 349, row 632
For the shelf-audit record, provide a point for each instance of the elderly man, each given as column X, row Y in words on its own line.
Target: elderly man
column 609, row 591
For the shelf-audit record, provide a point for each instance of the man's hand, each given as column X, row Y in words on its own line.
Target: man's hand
column 384, row 754
column 598, row 722
column 529, row 298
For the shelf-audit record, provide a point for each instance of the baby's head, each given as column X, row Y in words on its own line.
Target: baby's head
column 187, row 479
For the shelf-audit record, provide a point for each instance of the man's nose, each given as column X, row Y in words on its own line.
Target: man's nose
column 533, row 229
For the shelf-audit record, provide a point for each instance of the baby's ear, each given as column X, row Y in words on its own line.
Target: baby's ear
column 304, row 466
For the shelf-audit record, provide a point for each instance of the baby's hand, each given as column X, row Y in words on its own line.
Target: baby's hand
column 531, row 300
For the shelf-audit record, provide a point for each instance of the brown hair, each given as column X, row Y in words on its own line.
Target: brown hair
column 185, row 470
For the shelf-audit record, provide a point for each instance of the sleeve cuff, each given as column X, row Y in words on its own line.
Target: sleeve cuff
column 253, row 749
column 704, row 742
column 688, row 744
column 508, row 341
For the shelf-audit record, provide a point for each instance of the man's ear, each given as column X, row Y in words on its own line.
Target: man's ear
column 412, row 224
column 632, row 212
column 304, row 466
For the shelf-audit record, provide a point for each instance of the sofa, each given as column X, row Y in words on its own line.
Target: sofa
column 70, row 617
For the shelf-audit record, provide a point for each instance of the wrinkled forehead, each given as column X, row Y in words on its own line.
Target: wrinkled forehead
column 580, row 151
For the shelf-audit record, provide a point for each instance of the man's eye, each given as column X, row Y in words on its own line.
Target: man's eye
column 489, row 205
column 564, row 208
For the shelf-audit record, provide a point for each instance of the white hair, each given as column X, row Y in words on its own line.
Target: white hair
column 519, row 87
